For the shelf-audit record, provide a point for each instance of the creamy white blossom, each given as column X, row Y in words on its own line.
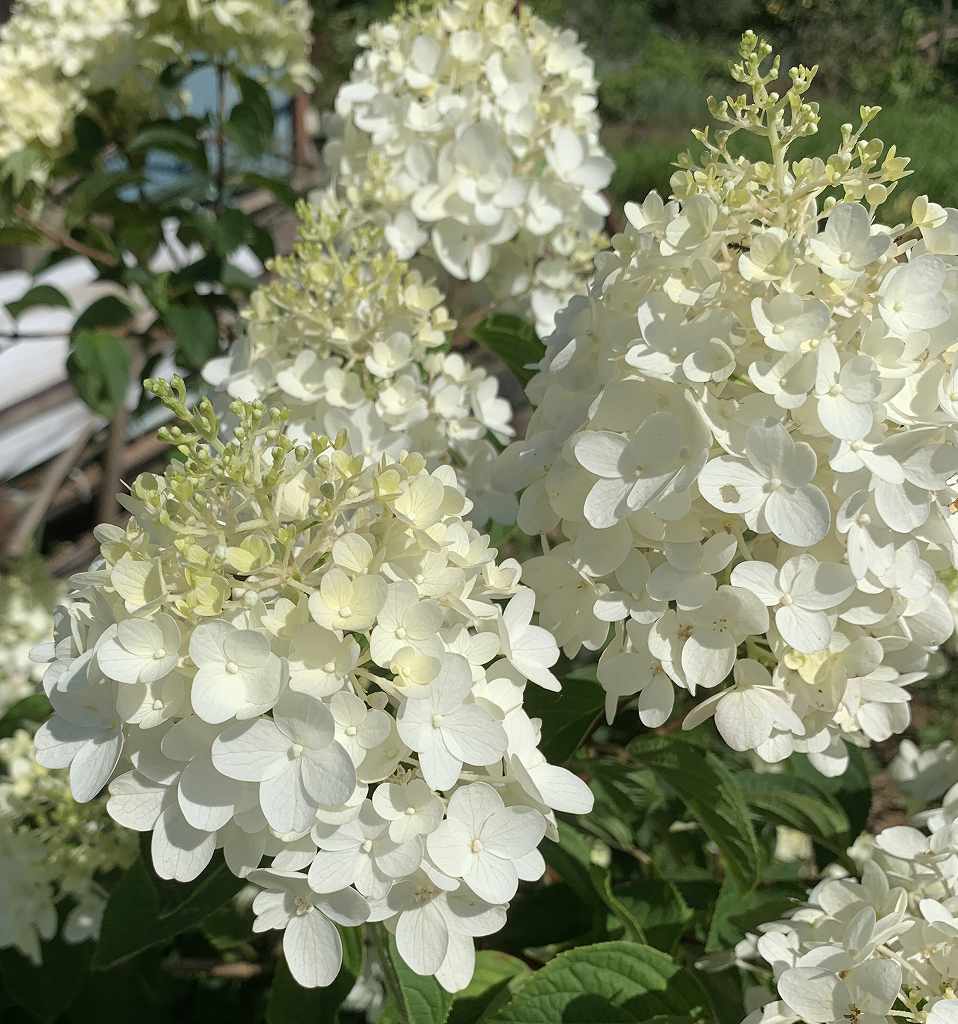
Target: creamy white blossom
column 877, row 948
column 744, row 446
column 469, row 128
column 338, row 652
column 348, row 337
column 54, row 852
column 55, row 55
column 27, row 597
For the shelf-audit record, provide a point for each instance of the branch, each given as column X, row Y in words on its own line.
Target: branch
column 65, row 241
column 193, row 966
column 220, row 136
column 31, row 335
column 56, row 473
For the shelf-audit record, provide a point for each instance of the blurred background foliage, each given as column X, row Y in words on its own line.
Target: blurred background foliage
column 657, row 60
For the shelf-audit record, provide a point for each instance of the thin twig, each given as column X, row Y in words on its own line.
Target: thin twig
column 193, row 966
column 220, row 137
column 380, row 939
column 58, row 470
column 65, row 241
column 30, row 335
column 108, row 508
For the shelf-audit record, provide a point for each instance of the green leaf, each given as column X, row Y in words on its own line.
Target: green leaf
column 18, row 167
column 425, row 1001
column 572, row 859
column 852, row 790
column 496, row 978
column 607, row 983
column 88, row 135
column 624, row 796
column 93, row 190
column 290, row 1003
column 39, row 295
column 144, row 911
column 546, row 915
column 233, row 277
column 711, row 795
column 567, row 717
column 787, row 800
column 251, row 122
column 19, row 234
column 232, row 229
column 108, row 311
column 657, row 906
column 99, row 369
column 737, row 912
column 255, row 96
column 28, row 712
column 45, row 991
column 196, row 333
column 279, row 187
column 172, row 138
column 513, row 340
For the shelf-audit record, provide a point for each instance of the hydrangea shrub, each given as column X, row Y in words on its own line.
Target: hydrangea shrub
column 305, row 660
column 347, row 336
column 470, row 129
column 54, row 56
column 745, row 437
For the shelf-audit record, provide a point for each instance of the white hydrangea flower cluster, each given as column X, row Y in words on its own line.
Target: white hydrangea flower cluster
column 52, row 849
column 56, row 54
column 471, row 128
column 290, row 654
column 877, row 949
column 348, row 337
column 746, row 434
column 924, row 774
column 27, row 596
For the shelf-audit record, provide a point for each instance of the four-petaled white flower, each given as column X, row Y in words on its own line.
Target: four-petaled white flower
column 801, row 592
column 531, row 650
column 311, row 942
column 773, row 488
column 486, row 844
column 361, row 853
column 237, row 675
column 139, row 650
column 293, row 756
column 446, row 730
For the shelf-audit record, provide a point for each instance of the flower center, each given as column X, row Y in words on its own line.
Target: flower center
column 159, row 654
column 436, row 721
column 158, row 705
column 296, row 750
column 367, row 846
column 330, row 666
column 410, row 811
column 835, row 390
column 351, row 730
column 778, row 329
column 775, row 483
column 846, row 257
column 232, row 668
column 400, row 632
column 303, row 905
column 786, row 600
column 476, row 845
column 345, row 611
